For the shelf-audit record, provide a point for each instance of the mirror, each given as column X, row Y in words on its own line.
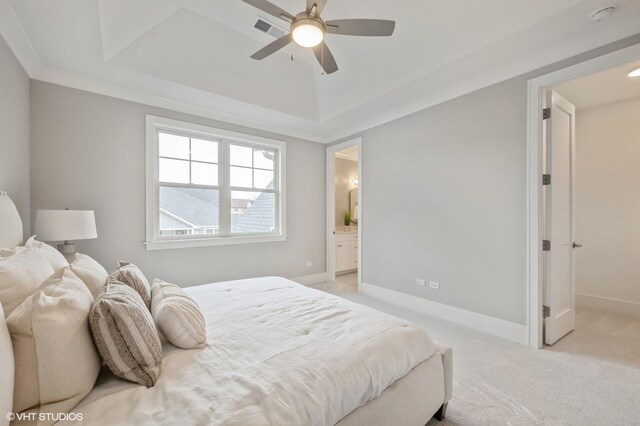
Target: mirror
column 353, row 205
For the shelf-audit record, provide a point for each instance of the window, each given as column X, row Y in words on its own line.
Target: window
column 208, row 186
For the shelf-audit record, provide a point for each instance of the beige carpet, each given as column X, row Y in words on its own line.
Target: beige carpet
column 590, row 377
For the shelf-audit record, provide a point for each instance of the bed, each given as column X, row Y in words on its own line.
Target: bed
column 278, row 353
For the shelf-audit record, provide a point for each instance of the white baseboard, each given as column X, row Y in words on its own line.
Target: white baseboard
column 607, row 304
column 311, row 279
column 501, row 328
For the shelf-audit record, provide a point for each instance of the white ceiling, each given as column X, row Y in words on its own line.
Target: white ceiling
column 193, row 55
column 601, row 88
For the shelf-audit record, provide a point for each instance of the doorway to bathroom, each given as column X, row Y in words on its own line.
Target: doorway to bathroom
column 344, row 214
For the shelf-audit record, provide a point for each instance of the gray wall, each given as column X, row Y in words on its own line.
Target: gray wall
column 88, row 152
column 345, row 171
column 445, row 198
column 14, row 137
column 608, row 201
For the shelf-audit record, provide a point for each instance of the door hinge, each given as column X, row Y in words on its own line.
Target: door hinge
column 546, row 113
column 546, row 179
column 546, row 311
column 546, row 245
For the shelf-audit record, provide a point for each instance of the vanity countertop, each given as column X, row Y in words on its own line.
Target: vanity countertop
column 343, row 232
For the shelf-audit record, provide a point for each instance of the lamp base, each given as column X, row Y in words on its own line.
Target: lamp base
column 68, row 250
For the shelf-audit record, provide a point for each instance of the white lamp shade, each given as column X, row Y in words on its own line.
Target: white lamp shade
column 65, row 225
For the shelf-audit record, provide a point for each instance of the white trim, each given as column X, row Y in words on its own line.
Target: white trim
column 207, row 242
column 535, row 103
column 592, row 301
column 154, row 241
column 313, row 279
column 485, row 323
column 331, row 207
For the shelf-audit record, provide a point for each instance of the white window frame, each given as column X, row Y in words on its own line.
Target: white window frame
column 155, row 241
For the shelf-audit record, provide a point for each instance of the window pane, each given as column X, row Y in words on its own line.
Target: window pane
column 240, row 155
column 240, row 177
column 252, row 212
column 173, row 146
column 188, row 211
column 202, row 150
column 263, row 158
column 176, row 171
column 204, row 173
column 263, row 179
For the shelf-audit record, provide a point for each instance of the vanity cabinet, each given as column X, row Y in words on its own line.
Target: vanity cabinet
column 346, row 252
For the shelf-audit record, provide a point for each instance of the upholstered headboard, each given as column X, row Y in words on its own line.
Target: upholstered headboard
column 10, row 236
column 10, row 223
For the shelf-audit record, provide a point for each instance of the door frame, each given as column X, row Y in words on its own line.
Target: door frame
column 535, row 166
column 331, row 207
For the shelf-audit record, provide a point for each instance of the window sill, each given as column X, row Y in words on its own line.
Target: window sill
column 214, row 241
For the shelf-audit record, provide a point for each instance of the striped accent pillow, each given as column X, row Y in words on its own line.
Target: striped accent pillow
column 177, row 316
column 125, row 334
column 131, row 275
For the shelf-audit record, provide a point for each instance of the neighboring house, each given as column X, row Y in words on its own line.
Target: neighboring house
column 188, row 211
column 259, row 217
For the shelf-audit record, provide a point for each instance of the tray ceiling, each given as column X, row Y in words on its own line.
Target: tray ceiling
column 196, row 52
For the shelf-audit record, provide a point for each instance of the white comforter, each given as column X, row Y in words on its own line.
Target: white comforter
column 279, row 353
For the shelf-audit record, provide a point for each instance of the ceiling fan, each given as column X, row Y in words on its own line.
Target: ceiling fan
column 308, row 30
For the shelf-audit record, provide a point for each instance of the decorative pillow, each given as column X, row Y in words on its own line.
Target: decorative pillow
column 131, row 275
column 125, row 335
column 55, row 258
column 177, row 316
column 56, row 362
column 90, row 272
column 21, row 273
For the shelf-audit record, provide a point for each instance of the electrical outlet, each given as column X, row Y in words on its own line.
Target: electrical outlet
column 434, row 285
column 309, row 263
column 420, row 282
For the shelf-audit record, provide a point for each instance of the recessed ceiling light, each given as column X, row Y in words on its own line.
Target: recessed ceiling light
column 634, row 72
column 602, row 14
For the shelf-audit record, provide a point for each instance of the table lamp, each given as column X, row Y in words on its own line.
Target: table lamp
column 65, row 225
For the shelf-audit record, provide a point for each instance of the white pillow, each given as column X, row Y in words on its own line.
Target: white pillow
column 21, row 273
column 6, row 371
column 177, row 316
column 55, row 258
column 56, row 362
column 90, row 272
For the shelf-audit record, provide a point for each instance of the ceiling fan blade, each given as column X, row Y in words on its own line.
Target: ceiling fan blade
column 271, row 9
column 320, row 4
column 361, row 27
column 325, row 57
column 272, row 47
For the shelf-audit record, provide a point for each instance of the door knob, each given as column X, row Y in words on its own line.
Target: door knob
column 576, row 245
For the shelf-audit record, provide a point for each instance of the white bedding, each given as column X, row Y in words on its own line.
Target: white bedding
column 278, row 353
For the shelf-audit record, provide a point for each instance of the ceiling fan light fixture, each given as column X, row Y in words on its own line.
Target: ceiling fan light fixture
column 307, row 32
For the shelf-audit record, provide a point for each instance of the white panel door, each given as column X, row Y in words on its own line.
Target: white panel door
column 559, row 286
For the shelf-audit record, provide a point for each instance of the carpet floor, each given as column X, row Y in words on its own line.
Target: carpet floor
column 590, row 377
